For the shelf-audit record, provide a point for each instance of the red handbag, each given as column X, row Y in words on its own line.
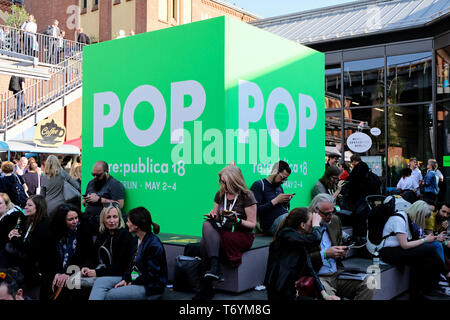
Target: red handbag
column 305, row 287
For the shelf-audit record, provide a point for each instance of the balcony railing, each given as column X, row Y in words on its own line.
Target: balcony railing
column 36, row 47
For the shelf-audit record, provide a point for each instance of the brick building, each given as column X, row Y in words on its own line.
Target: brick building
column 102, row 20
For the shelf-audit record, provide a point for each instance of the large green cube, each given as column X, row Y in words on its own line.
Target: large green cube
column 164, row 108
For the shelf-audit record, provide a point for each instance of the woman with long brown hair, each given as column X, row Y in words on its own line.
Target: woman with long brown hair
column 229, row 227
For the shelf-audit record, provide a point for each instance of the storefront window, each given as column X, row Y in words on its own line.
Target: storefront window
column 333, row 79
column 409, row 78
column 443, row 73
column 363, row 82
column 410, row 135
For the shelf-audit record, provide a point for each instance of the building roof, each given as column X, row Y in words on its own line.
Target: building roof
column 239, row 9
column 355, row 19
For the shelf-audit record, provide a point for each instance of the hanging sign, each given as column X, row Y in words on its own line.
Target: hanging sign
column 49, row 133
column 359, row 142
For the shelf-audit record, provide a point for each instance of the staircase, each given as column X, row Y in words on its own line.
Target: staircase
column 58, row 80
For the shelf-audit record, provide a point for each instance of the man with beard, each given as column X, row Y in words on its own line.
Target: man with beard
column 101, row 190
column 273, row 203
column 438, row 221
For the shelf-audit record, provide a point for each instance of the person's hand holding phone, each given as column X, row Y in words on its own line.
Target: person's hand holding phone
column 282, row 198
column 211, row 215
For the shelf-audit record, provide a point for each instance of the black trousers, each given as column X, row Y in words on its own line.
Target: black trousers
column 425, row 263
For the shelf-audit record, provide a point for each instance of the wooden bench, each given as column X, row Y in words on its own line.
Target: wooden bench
column 247, row 276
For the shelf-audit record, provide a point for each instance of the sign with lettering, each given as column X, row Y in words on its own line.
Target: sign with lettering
column 168, row 110
column 49, row 133
column 359, row 142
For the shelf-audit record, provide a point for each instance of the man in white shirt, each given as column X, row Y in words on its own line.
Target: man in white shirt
column 415, row 173
column 30, row 28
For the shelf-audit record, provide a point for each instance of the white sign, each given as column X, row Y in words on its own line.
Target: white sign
column 359, row 142
column 375, row 131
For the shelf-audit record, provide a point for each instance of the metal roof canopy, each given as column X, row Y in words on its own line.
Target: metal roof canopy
column 355, row 19
column 29, row 146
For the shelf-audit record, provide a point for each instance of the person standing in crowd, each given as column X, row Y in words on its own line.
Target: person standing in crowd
column 288, row 256
column 272, row 202
column 75, row 172
column 8, row 184
column 146, row 277
column 29, row 37
column 29, row 246
column 16, row 86
column 113, row 246
column 101, row 190
column 415, row 173
column 54, row 32
column 52, row 184
column 9, row 213
column 329, row 183
column 326, row 257
column 228, row 228
column 357, row 180
column 72, row 244
column 345, row 171
column 430, row 182
column 82, row 37
column 32, row 179
column 21, row 168
column 333, row 159
column 407, row 186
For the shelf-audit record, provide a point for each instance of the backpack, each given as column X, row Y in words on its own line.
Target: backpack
column 373, row 183
column 376, row 222
column 18, row 194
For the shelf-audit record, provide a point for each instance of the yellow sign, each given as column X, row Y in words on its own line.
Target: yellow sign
column 49, row 133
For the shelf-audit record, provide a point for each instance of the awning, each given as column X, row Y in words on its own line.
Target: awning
column 74, row 142
column 29, row 146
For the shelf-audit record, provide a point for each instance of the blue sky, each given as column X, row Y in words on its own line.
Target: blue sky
column 270, row 8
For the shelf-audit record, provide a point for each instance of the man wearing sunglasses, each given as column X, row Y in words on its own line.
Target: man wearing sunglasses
column 273, row 204
column 101, row 191
column 326, row 258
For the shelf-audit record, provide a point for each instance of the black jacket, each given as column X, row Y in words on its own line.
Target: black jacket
column 150, row 260
column 120, row 246
column 83, row 38
column 7, row 222
column 15, row 84
column 289, row 260
column 83, row 255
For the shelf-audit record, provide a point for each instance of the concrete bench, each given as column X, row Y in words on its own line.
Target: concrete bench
column 394, row 281
column 247, row 276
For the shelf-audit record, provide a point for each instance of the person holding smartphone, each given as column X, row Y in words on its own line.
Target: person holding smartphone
column 273, row 204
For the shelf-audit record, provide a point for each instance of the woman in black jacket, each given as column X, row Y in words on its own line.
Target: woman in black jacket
column 9, row 215
column 29, row 245
column 288, row 256
column 113, row 245
column 72, row 243
column 146, row 277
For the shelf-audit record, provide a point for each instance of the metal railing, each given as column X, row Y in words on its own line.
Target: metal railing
column 38, row 47
column 65, row 78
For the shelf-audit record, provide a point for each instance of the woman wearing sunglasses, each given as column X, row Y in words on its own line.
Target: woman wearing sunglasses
column 229, row 227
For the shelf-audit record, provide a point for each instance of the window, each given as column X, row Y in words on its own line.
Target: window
column 175, row 9
column 333, row 79
column 409, row 78
column 443, row 73
column 363, row 82
column 410, row 131
column 83, row 4
column 162, row 10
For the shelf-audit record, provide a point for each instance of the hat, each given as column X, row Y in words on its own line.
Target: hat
column 334, row 155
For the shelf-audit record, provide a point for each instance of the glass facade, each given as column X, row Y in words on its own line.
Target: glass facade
column 391, row 99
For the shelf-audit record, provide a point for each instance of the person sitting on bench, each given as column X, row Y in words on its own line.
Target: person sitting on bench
column 229, row 227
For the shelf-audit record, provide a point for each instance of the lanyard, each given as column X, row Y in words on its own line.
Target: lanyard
column 232, row 205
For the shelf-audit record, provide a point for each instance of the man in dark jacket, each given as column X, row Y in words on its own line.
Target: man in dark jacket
column 326, row 257
column 82, row 37
column 16, row 86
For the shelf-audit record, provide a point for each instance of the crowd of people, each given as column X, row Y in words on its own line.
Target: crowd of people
column 120, row 257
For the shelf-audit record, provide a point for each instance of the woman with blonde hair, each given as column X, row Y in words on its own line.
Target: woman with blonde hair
column 9, row 215
column 52, row 184
column 113, row 245
column 75, row 171
column 229, row 227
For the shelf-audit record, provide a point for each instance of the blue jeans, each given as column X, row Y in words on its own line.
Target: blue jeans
column 439, row 249
column 103, row 289
column 20, row 104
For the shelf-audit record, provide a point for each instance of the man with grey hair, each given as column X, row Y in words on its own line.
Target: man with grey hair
column 326, row 258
